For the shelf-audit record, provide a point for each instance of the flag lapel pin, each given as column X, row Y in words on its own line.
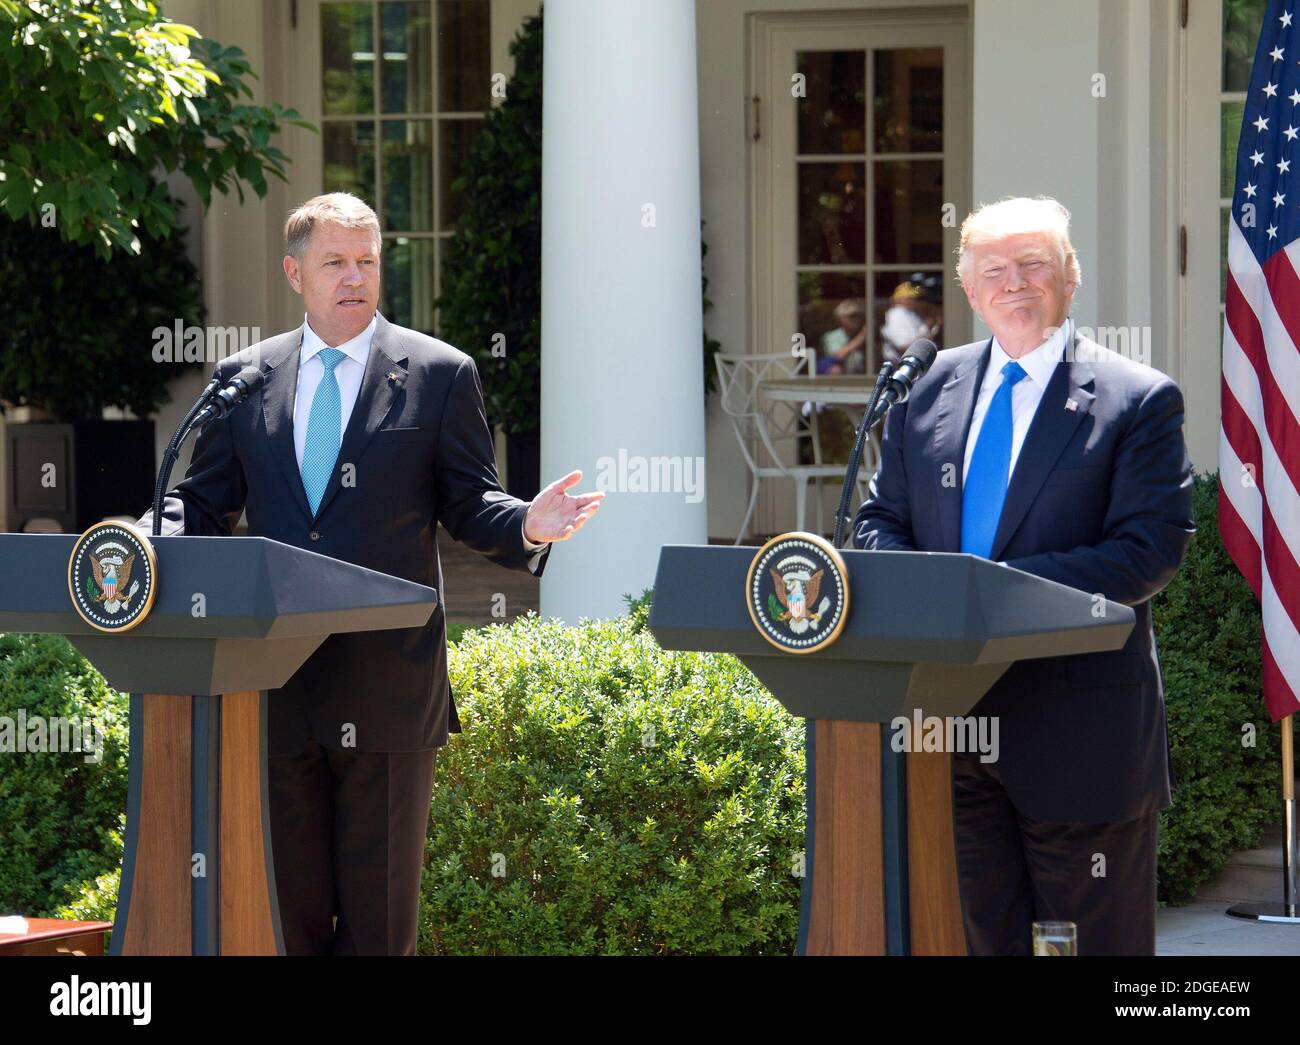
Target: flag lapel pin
column 1071, row 405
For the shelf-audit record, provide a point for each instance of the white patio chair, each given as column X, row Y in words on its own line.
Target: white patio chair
column 761, row 427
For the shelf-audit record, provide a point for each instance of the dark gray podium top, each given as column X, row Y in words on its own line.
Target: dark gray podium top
column 265, row 606
column 925, row 630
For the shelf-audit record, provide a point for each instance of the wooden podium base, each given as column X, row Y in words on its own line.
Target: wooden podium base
column 881, row 856
column 197, row 876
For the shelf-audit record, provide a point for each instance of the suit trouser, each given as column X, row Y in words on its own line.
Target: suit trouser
column 347, row 833
column 1013, row 871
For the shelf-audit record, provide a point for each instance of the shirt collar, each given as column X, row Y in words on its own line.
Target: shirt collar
column 358, row 348
column 1039, row 363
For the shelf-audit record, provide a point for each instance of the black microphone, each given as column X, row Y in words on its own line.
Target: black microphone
column 239, row 388
column 214, row 402
column 917, row 361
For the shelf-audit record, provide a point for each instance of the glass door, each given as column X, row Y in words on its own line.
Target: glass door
column 861, row 175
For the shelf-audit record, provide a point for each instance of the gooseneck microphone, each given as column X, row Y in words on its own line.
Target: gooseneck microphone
column 214, row 403
column 892, row 386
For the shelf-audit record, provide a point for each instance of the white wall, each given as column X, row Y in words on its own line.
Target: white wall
column 1036, row 122
column 1106, row 156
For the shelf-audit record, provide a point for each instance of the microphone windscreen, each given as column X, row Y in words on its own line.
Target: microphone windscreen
column 251, row 378
column 923, row 351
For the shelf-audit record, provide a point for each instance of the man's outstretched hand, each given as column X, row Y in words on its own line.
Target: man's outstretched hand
column 555, row 515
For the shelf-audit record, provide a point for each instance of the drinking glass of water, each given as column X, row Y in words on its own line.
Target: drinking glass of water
column 1056, row 938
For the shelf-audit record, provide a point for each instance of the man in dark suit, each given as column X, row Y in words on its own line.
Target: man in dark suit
column 364, row 437
column 1040, row 449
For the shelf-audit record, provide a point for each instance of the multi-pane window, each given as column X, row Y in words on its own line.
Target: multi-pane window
column 869, row 194
column 405, row 87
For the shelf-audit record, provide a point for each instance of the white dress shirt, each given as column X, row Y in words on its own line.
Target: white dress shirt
column 348, row 373
column 1026, row 394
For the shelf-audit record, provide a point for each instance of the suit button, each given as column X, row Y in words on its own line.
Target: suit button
column 314, row 535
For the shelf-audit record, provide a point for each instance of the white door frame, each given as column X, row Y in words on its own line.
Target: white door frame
column 1195, row 361
column 774, row 40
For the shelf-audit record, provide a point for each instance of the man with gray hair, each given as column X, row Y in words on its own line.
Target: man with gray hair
column 1039, row 449
column 363, row 438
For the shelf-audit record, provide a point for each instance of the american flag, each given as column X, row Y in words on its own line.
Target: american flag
column 1259, row 438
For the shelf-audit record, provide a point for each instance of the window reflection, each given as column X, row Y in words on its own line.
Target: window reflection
column 407, row 66
column 347, row 59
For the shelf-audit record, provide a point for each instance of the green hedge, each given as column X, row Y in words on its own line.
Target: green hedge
column 608, row 797
column 60, row 816
column 1207, row 633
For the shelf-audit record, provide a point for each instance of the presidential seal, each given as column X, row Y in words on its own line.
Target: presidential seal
column 797, row 591
column 112, row 576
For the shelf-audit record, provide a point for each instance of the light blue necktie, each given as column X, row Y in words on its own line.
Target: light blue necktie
column 990, row 465
column 323, row 430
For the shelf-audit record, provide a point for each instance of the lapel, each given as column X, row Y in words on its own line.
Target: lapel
column 1051, row 429
column 373, row 402
column 953, row 413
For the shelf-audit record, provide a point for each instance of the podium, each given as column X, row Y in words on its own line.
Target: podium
column 926, row 633
column 232, row 618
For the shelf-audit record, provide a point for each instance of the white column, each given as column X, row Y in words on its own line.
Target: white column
column 622, row 365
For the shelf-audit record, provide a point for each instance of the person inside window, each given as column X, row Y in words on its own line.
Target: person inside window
column 915, row 311
column 843, row 348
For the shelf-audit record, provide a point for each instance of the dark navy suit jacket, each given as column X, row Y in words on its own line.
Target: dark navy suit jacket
column 1100, row 500
column 422, row 454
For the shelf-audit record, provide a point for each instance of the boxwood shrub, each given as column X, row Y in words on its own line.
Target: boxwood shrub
column 60, row 816
column 1225, row 752
column 608, row 797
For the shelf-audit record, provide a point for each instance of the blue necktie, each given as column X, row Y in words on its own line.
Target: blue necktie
column 990, row 465
column 323, row 430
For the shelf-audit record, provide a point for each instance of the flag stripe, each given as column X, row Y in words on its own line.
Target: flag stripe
column 1279, row 627
column 1278, row 694
column 1239, row 541
column 1278, row 555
